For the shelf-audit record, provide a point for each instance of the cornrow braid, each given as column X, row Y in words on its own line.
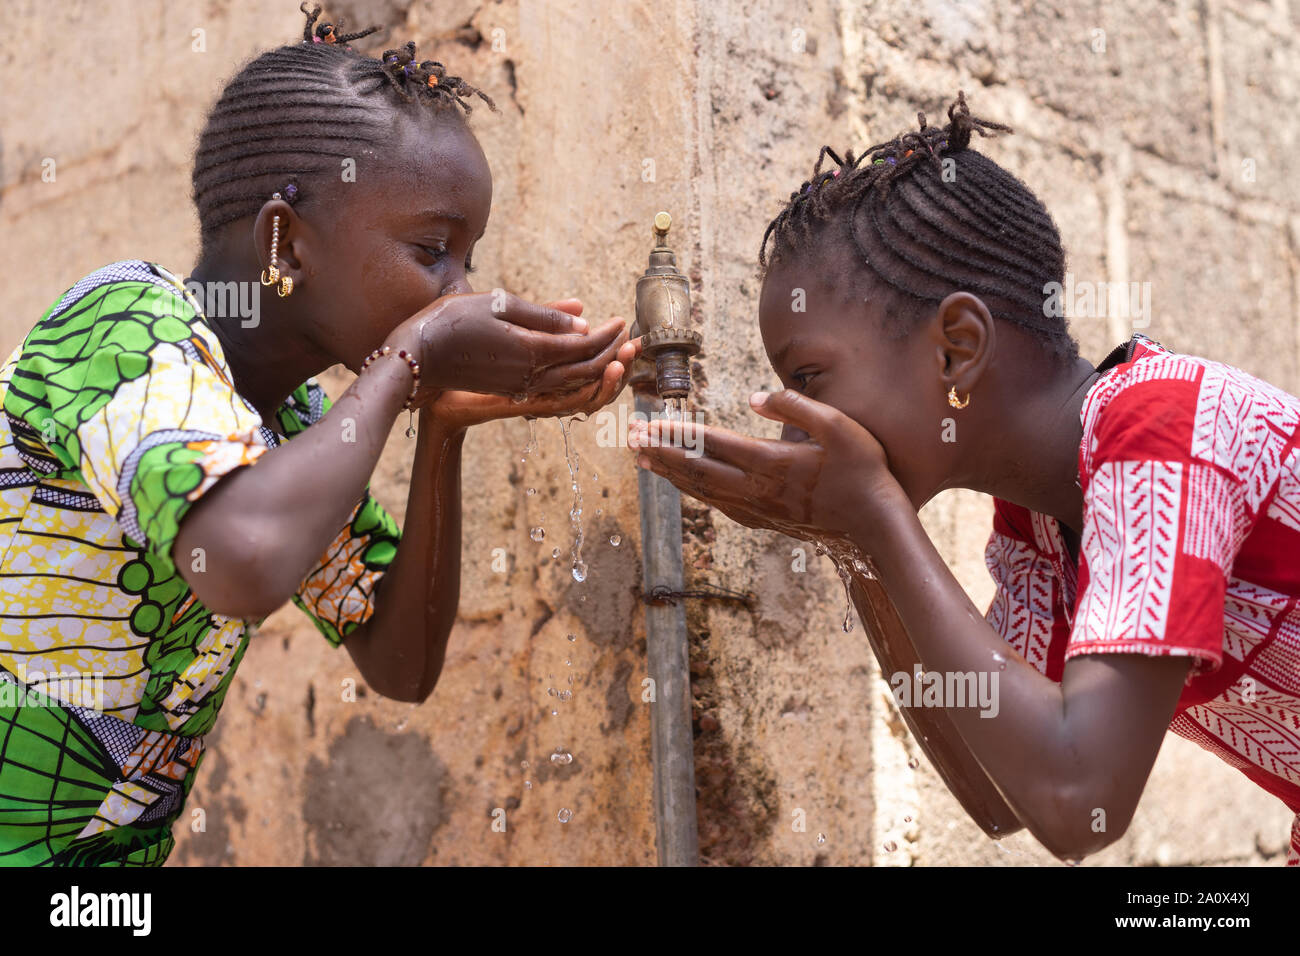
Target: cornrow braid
column 293, row 113
column 325, row 31
column 925, row 234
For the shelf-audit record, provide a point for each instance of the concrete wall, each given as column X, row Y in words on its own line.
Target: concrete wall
column 1136, row 145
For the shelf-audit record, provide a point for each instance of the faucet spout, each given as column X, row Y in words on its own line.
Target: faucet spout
column 663, row 317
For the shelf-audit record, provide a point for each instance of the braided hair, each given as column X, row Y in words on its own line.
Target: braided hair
column 925, row 227
column 292, row 114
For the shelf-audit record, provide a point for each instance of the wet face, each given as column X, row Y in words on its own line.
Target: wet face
column 836, row 351
column 402, row 236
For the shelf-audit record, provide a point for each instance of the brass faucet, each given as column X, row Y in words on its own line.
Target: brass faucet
column 663, row 317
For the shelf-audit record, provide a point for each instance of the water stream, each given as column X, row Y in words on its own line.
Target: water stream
column 848, row 561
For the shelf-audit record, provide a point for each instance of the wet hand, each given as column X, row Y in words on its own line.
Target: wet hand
column 498, row 344
column 460, row 409
column 821, row 488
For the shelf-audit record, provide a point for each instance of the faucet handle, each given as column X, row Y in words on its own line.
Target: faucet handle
column 663, row 222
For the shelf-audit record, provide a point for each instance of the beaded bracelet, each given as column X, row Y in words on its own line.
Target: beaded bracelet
column 406, row 357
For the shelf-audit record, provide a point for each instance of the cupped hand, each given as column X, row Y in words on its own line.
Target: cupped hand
column 460, row 409
column 817, row 489
column 499, row 344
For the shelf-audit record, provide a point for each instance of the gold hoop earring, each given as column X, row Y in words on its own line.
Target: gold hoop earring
column 286, row 286
column 274, row 271
column 956, row 402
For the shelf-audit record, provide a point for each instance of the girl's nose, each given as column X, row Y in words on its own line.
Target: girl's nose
column 790, row 433
column 458, row 286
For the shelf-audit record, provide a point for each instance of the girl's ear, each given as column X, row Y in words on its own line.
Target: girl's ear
column 287, row 239
column 964, row 333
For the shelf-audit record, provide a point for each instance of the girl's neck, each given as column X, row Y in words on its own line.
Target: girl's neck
column 268, row 354
column 1035, row 464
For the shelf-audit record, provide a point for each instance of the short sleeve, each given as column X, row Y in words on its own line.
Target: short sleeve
column 338, row 595
column 123, row 385
column 1163, row 522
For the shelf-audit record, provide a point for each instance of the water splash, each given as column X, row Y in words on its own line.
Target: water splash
column 575, row 512
column 848, row 561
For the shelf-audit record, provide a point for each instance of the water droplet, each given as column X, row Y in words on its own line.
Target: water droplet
column 909, row 820
column 561, row 756
column 1001, row 661
column 531, row 491
column 555, row 552
column 821, row 838
column 572, row 638
column 1073, row 862
column 599, row 512
column 565, row 815
column 565, row 694
column 537, row 534
column 555, row 713
column 891, row 846
column 570, row 678
column 524, row 765
column 520, row 398
column 568, row 663
column 550, row 691
column 575, row 512
column 528, row 785
column 615, row 539
column 914, row 763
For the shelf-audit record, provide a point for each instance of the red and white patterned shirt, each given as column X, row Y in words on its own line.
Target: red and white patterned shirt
column 1190, row 472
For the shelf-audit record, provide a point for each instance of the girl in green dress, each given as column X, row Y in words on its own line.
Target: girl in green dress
column 135, row 547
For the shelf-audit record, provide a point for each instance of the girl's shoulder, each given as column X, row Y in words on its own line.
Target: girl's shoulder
column 1182, row 411
column 133, row 304
column 125, row 271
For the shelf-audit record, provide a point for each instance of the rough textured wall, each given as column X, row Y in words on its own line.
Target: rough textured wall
column 1136, row 144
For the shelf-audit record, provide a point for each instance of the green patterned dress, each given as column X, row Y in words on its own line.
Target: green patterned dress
column 118, row 413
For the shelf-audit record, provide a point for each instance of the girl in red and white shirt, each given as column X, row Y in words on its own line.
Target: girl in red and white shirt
column 1146, row 540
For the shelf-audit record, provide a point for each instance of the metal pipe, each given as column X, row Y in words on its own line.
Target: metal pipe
column 663, row 313
column 672, row 740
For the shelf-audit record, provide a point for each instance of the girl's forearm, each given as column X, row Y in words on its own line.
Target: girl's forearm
column 1024, row 748
column 261, row 529
column 932, row 728
column 401, row 648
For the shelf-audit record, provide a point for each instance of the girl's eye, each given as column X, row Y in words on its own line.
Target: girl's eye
column 437, row 253
column 469, row 265
column 802, row 379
